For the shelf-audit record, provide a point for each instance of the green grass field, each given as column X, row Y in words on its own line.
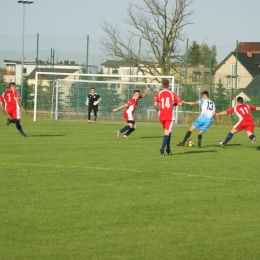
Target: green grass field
column 74, row 191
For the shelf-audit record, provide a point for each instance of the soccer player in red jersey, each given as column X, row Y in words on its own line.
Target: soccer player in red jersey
column 13, row 105
column 245, row 120
column 166, row 99
column 128, row 114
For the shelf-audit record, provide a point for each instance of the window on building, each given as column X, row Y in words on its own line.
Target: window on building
column 11, row 67
column 233, row 69
column 228, row 81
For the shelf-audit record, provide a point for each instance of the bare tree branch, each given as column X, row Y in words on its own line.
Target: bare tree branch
column 159, row 23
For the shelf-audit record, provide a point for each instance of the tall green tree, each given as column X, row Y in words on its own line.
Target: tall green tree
column 199, row 54
column 220, row 98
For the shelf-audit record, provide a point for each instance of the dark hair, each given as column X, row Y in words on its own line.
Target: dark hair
column 165, row 83
column 240, row 100
column 92, row 88
column 205, row 93
column 137, row 91
column 11, row 84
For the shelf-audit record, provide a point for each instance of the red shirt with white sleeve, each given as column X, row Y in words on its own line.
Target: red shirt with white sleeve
column 132, row 104
column 242, row 111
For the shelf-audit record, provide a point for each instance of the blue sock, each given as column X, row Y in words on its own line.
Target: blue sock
column 228, row 138
column 130, row 131
column 19, row 127
column 127, row 127
column 169, row 141
column 251, row 137
column 165, row 141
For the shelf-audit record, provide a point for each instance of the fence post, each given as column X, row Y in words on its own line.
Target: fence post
column 87, row 54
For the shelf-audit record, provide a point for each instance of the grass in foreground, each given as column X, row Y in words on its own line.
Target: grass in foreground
column 72, row 190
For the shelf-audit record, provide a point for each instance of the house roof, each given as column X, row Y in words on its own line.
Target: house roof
column 115, row 63
column 251, row 64
column 248, row 47
column 253, row 88
column 47, row 77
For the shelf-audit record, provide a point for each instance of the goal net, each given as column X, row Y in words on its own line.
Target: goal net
column 63, row 95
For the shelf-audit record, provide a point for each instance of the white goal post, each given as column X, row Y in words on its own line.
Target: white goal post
column 72, row 80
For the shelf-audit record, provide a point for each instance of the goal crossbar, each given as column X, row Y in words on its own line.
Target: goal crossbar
column 96, row 75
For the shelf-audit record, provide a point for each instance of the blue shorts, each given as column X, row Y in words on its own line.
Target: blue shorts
column 203, row 123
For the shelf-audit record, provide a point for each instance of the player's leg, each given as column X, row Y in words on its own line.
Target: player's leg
column 19, row 127
column 200, row 133
column 229, row 137
column 89, row 113
column 95, row 109
column 203, row 129
column 131, row 130
column 250, row 132
column 15, row 115
column 166, row 137
column 129, row 119
column 168, row 145
column 188, row 134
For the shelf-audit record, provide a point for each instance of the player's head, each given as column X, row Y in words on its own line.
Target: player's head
column 92, row 90
column 137, row 93
column 12, row 85
column 205, row 94
column 165, row 83
column 240, row 100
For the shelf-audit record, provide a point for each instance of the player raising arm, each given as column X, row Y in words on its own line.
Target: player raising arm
column 128, row 114
column 166, row 99
column 204, row 121
column 245, row 120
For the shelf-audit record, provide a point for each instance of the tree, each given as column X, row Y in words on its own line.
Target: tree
column 159, row 24
column 220, row 98
column 199, row 54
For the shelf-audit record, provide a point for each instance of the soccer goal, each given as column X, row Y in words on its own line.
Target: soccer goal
column 63, row 95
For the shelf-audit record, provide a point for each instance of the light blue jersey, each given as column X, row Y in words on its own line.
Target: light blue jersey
column 206, row 117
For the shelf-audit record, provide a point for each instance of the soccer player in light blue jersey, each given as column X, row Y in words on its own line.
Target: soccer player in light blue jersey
column 204, row 121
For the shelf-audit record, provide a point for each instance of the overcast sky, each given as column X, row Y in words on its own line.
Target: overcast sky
column 220, row 22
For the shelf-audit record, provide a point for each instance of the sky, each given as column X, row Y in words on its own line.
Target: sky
column 219, row 23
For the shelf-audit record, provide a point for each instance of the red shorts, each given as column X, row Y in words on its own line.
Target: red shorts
column 245, row 125
column 13, row 112
column 128, row 117
column 167, row 124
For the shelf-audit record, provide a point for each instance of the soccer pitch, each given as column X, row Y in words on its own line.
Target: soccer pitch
column 74, row 191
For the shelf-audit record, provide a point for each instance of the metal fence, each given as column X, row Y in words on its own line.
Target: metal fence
column 194, row 73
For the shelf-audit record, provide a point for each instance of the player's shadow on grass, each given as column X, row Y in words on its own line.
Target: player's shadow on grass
column 194, row 152
column 258, row 148
column 151, row 137
column 218, row 145
column 44, row 135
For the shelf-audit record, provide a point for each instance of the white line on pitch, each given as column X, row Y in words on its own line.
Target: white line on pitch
column 130, row 170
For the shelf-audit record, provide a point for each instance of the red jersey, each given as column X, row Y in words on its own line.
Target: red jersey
column 10, row 99
column 242, row 111
column 132, row 104
column 166, row 99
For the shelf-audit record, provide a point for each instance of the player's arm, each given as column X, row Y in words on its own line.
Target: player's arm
column 1, row 106
column 98, row 100
column 190, row 103
column 87, row 101
column 257, row 108
column 20, row 104
column 145, row 93
column 156, row 107
column 123, row 106
column 221, row 113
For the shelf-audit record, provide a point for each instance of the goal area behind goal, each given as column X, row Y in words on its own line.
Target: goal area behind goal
column 63, row 95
